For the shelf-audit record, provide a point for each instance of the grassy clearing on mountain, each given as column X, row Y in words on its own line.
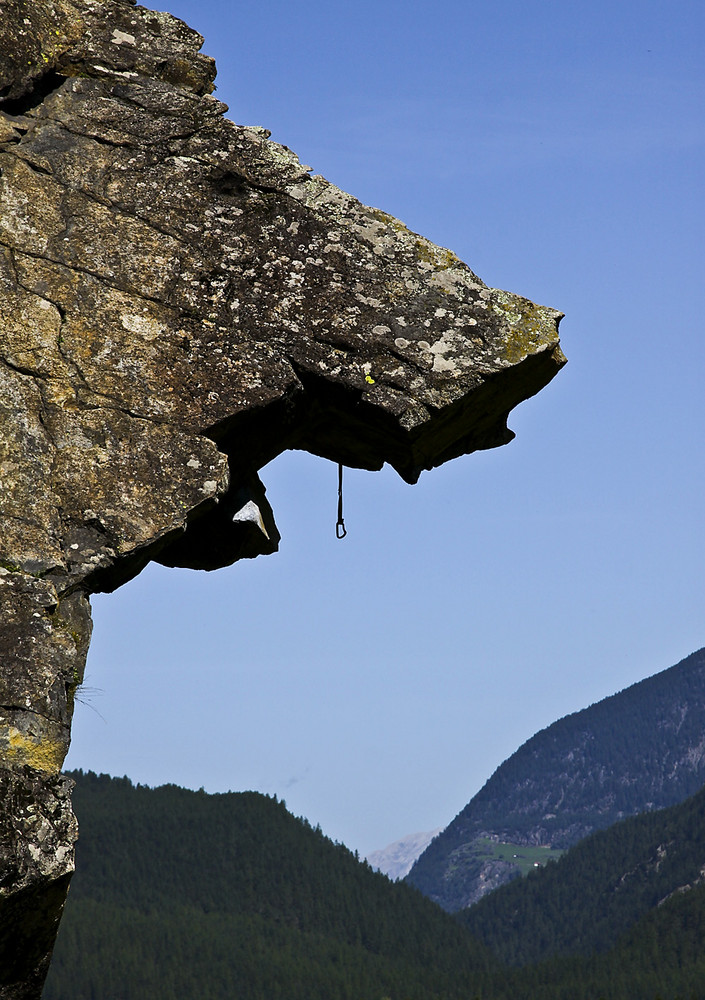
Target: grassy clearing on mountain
column 525, row 858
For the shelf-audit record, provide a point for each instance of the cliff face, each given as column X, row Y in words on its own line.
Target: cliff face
column 181, row 301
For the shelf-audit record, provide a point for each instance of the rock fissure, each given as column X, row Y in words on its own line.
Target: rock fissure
column 17, row 132
column 43, row 87
column 45, row 423
column 112, row 402
column 22, row 370
column 33, row 165
column 45, row 716
column 106, row 280
column 107, row 402
column 119, row 208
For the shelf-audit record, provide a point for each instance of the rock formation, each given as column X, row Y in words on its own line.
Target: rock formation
column 180, row 302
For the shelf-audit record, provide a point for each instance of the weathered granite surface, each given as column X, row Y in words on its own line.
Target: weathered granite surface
column 180, row 301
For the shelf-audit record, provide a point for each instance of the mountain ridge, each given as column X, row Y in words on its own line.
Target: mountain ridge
column 640, row 749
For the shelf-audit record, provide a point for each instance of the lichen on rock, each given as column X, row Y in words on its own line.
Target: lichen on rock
column 180, row 301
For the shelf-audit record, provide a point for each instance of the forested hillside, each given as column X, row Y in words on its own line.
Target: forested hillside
column 181, row 895
column 186, row 896
column 622, row 914
column 639, row 750
column 660, row 958
column 581, row 904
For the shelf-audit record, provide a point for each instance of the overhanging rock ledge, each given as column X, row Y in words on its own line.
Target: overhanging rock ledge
column 180, row 301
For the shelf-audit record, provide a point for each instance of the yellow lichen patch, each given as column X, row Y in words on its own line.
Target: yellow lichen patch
column 388, row 220
column 439, row 257
column 40, row 753
column 530, row 327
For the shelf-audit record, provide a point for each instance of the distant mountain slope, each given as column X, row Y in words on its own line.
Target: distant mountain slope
column 395, row 860
column 581, row 904
column 638, row 750
column 181, row 894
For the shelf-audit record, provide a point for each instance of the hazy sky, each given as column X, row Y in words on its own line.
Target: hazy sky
column 376, row 682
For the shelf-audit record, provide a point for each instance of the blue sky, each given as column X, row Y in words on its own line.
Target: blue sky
column 376, row 682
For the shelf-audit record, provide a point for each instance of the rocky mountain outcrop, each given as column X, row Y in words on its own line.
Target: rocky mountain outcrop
column 395, row 860
column 181, row 300
column 637, row 751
